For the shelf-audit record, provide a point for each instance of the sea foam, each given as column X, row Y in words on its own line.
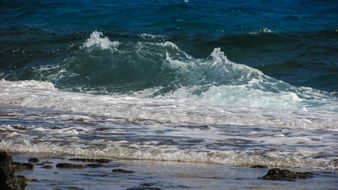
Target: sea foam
column 96, row 39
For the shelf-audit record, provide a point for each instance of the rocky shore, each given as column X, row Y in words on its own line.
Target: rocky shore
column 82, row 173
column 9, row 181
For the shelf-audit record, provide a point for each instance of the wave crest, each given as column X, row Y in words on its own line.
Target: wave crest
column 96, row 39
column 163, row 69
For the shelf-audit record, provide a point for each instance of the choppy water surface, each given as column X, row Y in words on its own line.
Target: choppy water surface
column 238, row 83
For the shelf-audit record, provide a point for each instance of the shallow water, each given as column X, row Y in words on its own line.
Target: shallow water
column 230, row 138
column 163, row 175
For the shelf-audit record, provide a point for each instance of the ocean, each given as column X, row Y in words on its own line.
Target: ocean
column 238, row 83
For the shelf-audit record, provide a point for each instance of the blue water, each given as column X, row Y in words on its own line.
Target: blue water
column 293, row 41
column 171, row 17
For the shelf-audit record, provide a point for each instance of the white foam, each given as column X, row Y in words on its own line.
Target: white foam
column 266, row 30
column 167, row 44
column 218, row 105
column 151, row 36
column 229, row 67
column 238, row 96
column 176, row 64
column 219, row 57
column 234, row 158
column 29, row 84
column 12, row 134
column 262, row 31
column 96, row 39
column 6, row 128
column 39, row 129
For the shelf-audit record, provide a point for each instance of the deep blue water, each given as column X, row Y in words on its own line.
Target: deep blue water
column 295, row 41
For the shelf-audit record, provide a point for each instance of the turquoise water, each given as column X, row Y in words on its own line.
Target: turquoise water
column 293, row 41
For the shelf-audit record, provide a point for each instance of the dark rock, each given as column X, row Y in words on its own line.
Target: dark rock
column 74, row 188
column 280, row 174
column 47, row 166
column 121, row 171
column 33, row 160
column 19, row 127
column 334, row 162
column 258, row 166
column 94, row 165
column 7, row 179
column 201, row 127
column 23, row 166
column 101, row 129
column 47, row 162
column 70, row 165
column 18, row 183
column 144, row 186
column 89, row 160
column 33, row 180
column 57, row 157
column 95, row 175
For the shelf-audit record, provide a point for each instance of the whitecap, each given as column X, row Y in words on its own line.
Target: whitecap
column 262, row 31
column 96, row 39
column 151, row 36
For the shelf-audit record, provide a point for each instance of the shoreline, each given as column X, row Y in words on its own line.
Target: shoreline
column 29, row 130
column 141, row 174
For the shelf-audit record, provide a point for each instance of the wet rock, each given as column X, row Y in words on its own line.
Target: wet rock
column 33, row 160
column 334, row 162
column 201, row 127
column 55, row 127
column 23, row 166
column 94, row 165
column 46, row 162
column 74, row 188
column 89, row 160
column 121, row 171
column 280, row 174
column 95, row 175
column 144, row 186
column 19, row 127
column 57, row 157
column 33, row 180
column 258, row 166
column 70, row 166
column 101, row 129
column 47, row 166
column 7, row 179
